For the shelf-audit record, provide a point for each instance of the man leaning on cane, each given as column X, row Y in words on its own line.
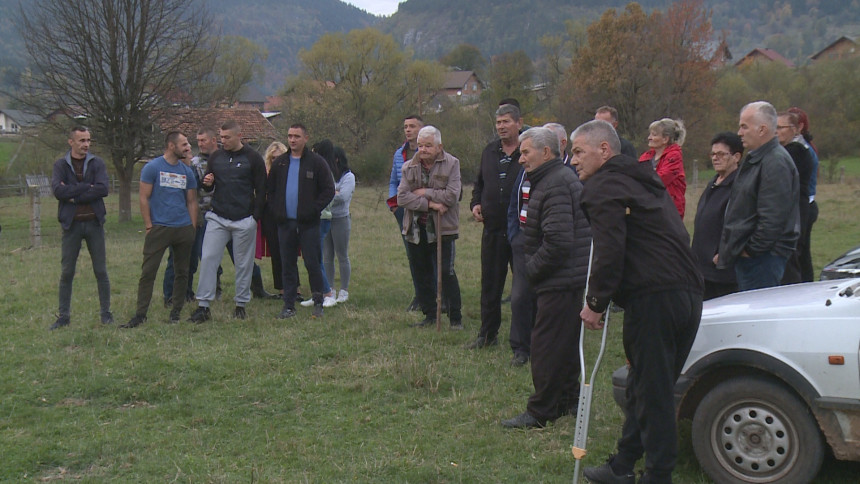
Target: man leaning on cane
column 431, row 182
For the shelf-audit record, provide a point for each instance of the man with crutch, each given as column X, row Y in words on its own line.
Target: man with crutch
column 642, row 261
column 429, row 185
column 556, row 241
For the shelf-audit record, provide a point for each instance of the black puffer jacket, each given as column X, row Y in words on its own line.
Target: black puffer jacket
column 556, row 235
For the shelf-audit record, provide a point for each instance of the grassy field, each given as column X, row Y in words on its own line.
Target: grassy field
column 356, row 397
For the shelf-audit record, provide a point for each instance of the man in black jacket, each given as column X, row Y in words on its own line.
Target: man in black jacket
column 237, row 174
column 490, row 198
column 642, row 260
column 299, row 187
column 762, row 221
column 80, row 183
column 556, row 240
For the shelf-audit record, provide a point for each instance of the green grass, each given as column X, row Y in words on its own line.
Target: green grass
column 8, row 145
column 359, row 396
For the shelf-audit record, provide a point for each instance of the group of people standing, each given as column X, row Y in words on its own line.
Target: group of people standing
column 196, row 207
column 546, row 213
column 551, row 206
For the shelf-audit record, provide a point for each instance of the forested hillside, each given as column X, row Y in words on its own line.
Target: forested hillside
column 795, row 28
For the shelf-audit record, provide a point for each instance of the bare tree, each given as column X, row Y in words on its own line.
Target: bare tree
column 119, row 63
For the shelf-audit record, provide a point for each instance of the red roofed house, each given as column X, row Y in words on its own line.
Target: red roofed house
column 763, row 55
column 256, row 129
column 842, row 48
column 463, row 85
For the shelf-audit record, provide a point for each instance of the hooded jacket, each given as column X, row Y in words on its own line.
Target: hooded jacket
column 556, row 235
column 640, row 244
column 70, row 192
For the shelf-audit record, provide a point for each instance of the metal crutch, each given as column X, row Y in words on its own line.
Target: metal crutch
column 583, row 411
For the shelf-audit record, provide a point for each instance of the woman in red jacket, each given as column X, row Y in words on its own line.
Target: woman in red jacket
column 664, row 143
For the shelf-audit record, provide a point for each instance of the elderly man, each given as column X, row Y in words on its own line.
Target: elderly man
column 80, row 183
column 299, row 187
column 642, row 260
column 237, row 174
column 168, row 205
column 610, row 115
column 556, row 240
column 411, row 125
column 431, row 184
column 490, row 199
column 762, row 220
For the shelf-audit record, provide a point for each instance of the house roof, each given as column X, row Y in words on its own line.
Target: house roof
column 767, row 53
column 252, row 94
column 458, row 79
column 23, row 119
column 830, row 45
column 188, row 120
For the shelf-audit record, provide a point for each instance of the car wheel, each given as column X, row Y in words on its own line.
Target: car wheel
column 753, row 430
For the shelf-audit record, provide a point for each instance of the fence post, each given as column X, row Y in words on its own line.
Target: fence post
column 35, row 216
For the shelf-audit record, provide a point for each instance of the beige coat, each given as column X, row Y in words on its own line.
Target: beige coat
column 444, row 188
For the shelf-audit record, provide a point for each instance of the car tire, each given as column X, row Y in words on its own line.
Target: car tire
column 754, row 430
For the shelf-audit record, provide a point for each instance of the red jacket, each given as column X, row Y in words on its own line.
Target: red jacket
column 670, row 168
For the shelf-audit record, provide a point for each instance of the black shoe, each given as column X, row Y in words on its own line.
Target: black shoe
column 427, row 321
column 456, row 325
column 174, row 316
column 107, row 317
column 603, row 474
column 519, row 359
column 60, row 322
column 506, row 299
column 168, row 302
column 523, row 421
column 239, row 313
column 134, row 322
column 200, row 315
column 318, row 311
column 413, row 306
column 483, row 342
column 259, row 293
column 286, row 313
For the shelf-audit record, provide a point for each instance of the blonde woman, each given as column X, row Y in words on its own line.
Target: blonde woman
column 665, row 139
column 267, row 230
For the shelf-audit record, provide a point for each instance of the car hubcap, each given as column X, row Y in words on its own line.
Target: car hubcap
column 754, row 441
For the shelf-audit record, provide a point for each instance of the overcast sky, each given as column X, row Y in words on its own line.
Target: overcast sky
column 378, row 7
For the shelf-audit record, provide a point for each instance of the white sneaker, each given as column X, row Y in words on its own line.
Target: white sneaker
column 329, row 301
column 342, row 296
column 307, row 303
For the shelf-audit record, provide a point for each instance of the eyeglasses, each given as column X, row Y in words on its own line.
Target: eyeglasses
column 719, row 154
column 785, row 126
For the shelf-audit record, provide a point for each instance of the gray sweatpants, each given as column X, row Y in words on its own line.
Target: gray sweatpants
column 337, row 244
column 219, row 231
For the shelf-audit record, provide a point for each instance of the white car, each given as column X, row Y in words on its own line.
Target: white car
column 773, row 379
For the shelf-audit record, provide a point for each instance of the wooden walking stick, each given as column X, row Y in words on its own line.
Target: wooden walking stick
column 438, row 271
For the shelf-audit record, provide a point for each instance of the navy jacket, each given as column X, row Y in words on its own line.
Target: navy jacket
column 69, row 191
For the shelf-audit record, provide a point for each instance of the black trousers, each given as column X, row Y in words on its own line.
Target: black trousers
column 804, row 245
column 269, row 228
column 555, row 355
column 659, row 329
column 291, row 236
column 495, row 259
column 523, row 301
column 423, row 255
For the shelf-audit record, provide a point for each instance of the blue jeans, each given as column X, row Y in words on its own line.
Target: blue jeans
column 325, row 227
column 758, row 272
column 94, row 233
